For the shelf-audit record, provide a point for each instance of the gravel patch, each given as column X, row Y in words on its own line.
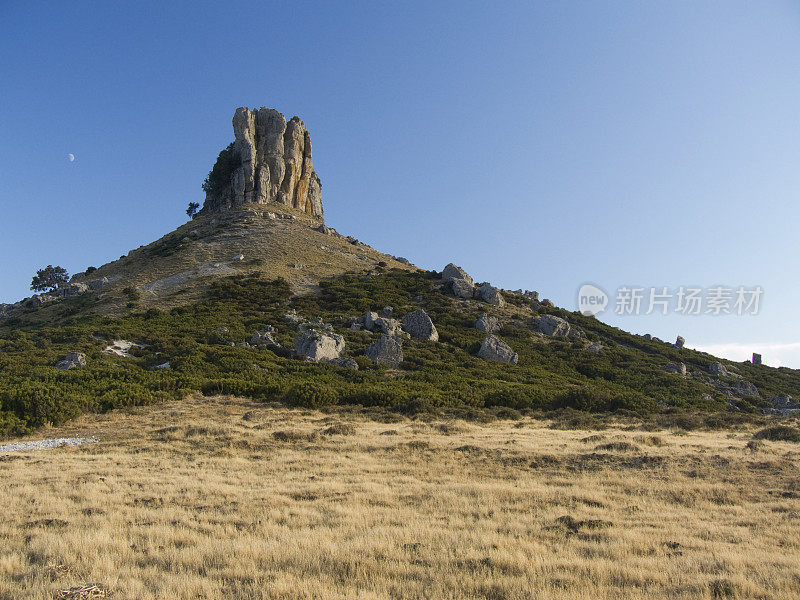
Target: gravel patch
column 46, row 444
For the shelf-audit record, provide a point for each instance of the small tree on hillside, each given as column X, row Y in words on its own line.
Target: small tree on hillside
column 193, row 206
column 49, row 278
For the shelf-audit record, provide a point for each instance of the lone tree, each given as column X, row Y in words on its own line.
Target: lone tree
column 49, row 278
column 193, row 206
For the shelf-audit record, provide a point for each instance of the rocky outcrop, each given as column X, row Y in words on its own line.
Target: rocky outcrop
column 270, row 162
column 595, row 348
column 419, row 325
column 678, row 368
column 679, row 342
column 386, row 351
column 493, row 348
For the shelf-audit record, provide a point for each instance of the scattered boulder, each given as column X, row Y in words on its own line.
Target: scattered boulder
column 547, row 302
column 161, row 367
column 490, row 294
column 73, row 360
column 318, row 346
column 323, row 229
column 718, row 369
column 419, row 325
column 679, row 368
column 493, row 348
column 386, row 351
column 679, row 342
column 488, row 324
column 595, row 348
column 553, row 326
column 238, row 257
column 403, row 260
column 387, row 311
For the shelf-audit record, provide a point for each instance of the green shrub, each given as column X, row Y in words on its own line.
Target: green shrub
column 220, row 175
column 310, row 394
column 779, row 433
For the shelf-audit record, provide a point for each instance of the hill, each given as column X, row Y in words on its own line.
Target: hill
column 256, row 297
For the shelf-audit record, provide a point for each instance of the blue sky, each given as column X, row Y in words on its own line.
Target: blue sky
column 538, row 145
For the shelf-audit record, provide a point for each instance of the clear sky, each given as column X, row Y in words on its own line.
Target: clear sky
column 540, row 145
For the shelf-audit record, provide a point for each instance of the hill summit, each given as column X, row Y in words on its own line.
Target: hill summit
column 269, row 162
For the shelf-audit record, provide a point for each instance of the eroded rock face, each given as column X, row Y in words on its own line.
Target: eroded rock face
column 554, row 326
column 272, row 164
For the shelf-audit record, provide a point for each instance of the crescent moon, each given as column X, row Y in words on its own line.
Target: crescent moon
column 71, row 157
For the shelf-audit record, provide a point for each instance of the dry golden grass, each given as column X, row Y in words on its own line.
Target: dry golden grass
column 226, row 498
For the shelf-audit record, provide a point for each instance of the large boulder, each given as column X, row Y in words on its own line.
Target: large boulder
column 73, row 360
column 554, row 326
column 318, row 345
column 490, row 294
column 386, row 351
column 679, row 342
column 595, row 348
column 419, row 325
column 488, row 324
column 493, row 348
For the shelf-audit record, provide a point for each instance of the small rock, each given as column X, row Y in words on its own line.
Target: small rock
column 73, row 360
column 595, row 348
column 679, row 342
column 493, row 348
column 238, row 257
column 387, row 311
column 161, row 367
column 347, row 363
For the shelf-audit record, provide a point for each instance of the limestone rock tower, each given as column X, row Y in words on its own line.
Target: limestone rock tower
column 269, row 162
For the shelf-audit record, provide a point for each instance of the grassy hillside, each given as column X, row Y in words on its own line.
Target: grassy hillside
column 444, row 376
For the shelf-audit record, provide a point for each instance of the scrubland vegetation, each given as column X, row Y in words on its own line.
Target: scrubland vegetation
column 444, row 377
